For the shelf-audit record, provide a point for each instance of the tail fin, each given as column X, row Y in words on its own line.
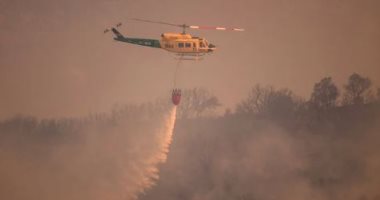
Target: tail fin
column 117, row 33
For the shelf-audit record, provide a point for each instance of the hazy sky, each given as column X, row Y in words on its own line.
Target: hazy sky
column 55, row 60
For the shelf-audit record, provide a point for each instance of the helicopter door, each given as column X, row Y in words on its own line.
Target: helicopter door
column 188, row 46
column 202, row 44
column 180, row 46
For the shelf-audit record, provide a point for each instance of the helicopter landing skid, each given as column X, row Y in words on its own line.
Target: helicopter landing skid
column 187, row 56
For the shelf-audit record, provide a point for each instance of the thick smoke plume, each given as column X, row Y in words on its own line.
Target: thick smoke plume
column 330, row 154
column 111, row 156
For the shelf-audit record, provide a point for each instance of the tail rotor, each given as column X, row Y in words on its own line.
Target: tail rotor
column 109, row 29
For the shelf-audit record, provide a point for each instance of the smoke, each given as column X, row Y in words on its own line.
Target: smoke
column 268, row 164
column 112, row 156
column 237, row 157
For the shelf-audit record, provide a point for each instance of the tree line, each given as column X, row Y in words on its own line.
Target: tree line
column 272, row 145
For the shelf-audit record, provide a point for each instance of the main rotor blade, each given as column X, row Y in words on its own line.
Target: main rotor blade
column 215, row 28
column 156, row 22
column 184, row 26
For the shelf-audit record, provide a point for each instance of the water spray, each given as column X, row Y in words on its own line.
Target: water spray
column 164, row 140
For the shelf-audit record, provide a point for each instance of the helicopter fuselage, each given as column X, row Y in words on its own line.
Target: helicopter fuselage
column 179, row 43
column 185, row 44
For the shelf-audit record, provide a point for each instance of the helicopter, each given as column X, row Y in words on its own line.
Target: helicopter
column 184, row 45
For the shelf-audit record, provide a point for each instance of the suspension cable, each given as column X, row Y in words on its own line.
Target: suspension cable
column 176, row 71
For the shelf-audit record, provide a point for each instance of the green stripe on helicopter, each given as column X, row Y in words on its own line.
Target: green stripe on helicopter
column 139, row 41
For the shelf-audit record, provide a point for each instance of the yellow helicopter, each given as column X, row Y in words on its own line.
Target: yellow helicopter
column 184, row 45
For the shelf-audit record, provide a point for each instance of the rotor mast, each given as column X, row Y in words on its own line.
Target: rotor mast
column 184, row 26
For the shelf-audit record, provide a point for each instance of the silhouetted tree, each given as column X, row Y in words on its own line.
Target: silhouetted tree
column 256, row 100
column 356, row 90
column 325, row 94
column 266, row 101
column 197, row 102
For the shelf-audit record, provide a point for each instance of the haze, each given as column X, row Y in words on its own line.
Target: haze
column 55, row 60
column 288, row 109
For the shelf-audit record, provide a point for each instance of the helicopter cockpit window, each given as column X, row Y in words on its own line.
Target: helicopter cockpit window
column 188, row 45
column 180, row 45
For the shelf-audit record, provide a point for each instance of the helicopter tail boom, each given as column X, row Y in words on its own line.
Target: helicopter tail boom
column 138, row 41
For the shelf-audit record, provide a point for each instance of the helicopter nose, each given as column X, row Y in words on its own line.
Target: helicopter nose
column 211, row 47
